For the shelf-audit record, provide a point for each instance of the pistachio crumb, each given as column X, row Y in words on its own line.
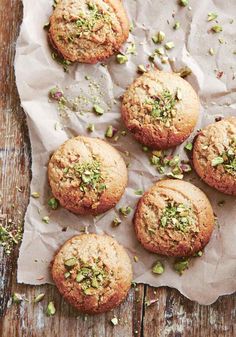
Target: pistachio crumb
column 183, row 3
column 159, row 37
column 98, row 110
column 39, row 298
column 114, row 321
column 216, row 29
column 189, row 146
column 51, row 310
column 121, row 58
column 53, row 203
column 158, row 268
column 35, row 195
column 181, row 266
column 46, row 219
column 17, row 298
column 176, row 25
column 136, row 259
column 90, row 127
column 125, row 210
column 211, row 16
column 141, row 69
column 169, row 45
column 211, row 51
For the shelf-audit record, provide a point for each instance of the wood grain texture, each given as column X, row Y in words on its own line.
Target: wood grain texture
column 147, row 312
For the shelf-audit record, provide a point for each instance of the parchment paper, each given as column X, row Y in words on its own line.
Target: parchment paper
column 213, row 274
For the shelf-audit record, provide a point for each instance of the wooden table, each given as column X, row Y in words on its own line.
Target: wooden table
column 170, row 314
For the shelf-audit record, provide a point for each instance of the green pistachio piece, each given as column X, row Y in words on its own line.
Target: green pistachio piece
column 98, row 110
column 80, row 277
column 53, row 203
column 189, row 146
column 35, row 195
column 217, row 161
column 51, row 310
column 176, row 25
column 184, row 72
column 159, row 37
column 125, row 210
column 211, row 16
column 217, row 29
column 183, row 3
column 211, row 51
column 95, row 283
column 70, row 262
column 169, row 45
column 91, row 128
column 17, row 298
column 121, row 59
column 67, row 274
column 138, row 192
column 158, row 268
column 109, row 132
column 116, row 222
column 39, row 298
column 181, row 266
column 88, row 291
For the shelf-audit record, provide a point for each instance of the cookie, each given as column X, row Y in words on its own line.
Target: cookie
column 87, row 175
column 174, row 218
column 214, row 155
column 160, row 109
column 88, row 31
column 92, row 272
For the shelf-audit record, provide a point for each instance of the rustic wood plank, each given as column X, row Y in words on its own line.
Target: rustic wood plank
column 170, row 314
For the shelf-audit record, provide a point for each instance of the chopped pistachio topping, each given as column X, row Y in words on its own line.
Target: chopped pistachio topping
column 89, row 18
column 227, row 158
column 98, row 110
column 163, row 107
column 17, row 298
column 169, row 45
column 136, row 259
column 159, row 37
column 176, row 25
column 211, row 16
column 39, row 298
column 158, row 268
column 181, row 266
column 121, row 59
column 125, row 210
column 71, row 262
column 35, row 195
column 51, row 310
column 217, row 29
column 53, row 203
column 183, row 3
column 89, row 174
column 178, row 216
column 91, row 276
column 217, row 161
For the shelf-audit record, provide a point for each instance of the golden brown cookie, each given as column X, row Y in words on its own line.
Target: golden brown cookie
column 174, row 218
column 160, row 109
column 87, row 175
column 214, row 155
column 92, row 272
column 88, row 30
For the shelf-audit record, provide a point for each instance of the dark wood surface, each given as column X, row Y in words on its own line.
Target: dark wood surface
column 166, row 312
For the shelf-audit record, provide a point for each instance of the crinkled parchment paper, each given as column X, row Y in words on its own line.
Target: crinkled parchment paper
column 213, row 274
